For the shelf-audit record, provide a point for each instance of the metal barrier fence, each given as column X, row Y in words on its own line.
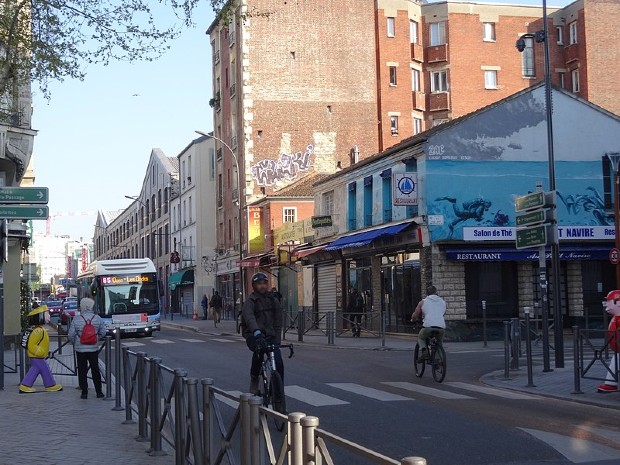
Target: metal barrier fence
column 592, row 349
column 188, row 415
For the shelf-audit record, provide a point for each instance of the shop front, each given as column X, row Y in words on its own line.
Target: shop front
column 181, row 286
column 227, row 283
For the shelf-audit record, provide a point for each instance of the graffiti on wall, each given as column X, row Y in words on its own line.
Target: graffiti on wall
column 286, row 168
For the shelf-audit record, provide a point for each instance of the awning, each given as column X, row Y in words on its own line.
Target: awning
column 181, row 278
column 502, row 254
column 366, row 237
column 304, row 252
column 252, row 261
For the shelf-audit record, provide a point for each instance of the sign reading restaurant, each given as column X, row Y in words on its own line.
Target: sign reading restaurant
column 567, row 233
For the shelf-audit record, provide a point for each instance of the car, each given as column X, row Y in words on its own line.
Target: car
column 54, row 307
column 69, row 311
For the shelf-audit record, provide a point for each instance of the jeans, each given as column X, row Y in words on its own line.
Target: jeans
column 426, row 333
column 84, row 360
column 258, row 358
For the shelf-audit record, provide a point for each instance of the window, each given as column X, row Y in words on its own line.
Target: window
column 184, row 221
column 167, row 242
column 575, row 78
column 392, row 75
column 528, row 68
column 368, row 203
column 391, row 27
column 212, row 164
column 559, row 30
column 490, row 79
column 413, row 31
column 439, row 81
column 438, row 121
column 488, row 32
column 438, row 33
column 189, row 169
column 148, row 209
column 394, row 125
column 415, row 80
column 328, row 203
column 417, row 125
column 572, row 33
column 352, row 205
column 190, row 209
column 386, row 197
column 562, row 80
column 183, row 172
column 289, row 214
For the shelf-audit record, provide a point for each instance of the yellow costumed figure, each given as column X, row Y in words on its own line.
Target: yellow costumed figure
column 37, row 344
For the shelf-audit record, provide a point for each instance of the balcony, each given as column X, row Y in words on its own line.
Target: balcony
column 439, row 101
column 571, row 53
column 419, row 100
column 417, row 53
column 437, row 53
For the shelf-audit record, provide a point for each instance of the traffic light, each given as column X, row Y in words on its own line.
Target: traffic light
column 4, row 241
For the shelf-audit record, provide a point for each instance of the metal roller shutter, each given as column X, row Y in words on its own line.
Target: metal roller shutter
column 188, row 301
column 326, row 288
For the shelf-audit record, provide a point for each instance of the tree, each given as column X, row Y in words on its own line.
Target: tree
column 50, row 40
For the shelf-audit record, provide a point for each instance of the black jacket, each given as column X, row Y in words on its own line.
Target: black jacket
column 262, row 312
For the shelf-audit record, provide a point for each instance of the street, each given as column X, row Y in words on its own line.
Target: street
column 372, row 397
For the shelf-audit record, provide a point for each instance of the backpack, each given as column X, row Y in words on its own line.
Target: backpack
column 89, row 333
column 25, row 337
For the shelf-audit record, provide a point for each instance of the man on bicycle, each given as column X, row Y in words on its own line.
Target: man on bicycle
column 261, row 323
column 432, row 309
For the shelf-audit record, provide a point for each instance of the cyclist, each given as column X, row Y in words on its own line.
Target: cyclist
column 432, row 309
column 261, row 324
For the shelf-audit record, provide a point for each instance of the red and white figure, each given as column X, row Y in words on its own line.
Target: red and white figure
column 612, row 306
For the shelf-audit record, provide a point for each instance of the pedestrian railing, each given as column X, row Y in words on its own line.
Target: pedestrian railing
column 594, row 356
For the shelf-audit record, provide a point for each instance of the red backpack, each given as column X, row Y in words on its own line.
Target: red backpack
column 89, row 333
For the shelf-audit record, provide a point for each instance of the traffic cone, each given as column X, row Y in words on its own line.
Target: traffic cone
column 195, row 316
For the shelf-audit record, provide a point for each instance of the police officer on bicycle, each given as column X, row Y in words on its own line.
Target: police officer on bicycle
column 432, row 309
column 261, row 325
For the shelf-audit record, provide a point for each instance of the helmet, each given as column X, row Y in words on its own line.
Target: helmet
column 37, row 316
column 260, row 276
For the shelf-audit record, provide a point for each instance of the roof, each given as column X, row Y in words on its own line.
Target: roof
column 110, row 215
column 301, row 187
column 174, row 161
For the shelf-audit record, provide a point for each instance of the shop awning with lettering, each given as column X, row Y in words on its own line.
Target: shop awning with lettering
column 366, row 237
column 502, row 254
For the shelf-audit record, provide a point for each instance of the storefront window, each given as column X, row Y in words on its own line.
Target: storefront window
column 400, row 289
column 495, row 283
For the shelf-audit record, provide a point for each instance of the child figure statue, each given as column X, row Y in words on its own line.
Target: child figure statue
column 612, row 307
column 37, row 344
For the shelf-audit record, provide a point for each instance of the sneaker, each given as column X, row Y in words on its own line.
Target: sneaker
column 54, row 388
column 100, row 395
column 23, row 389
column 605, row 388
column 254, row 385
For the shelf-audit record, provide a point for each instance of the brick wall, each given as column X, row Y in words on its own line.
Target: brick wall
column 574, row 286
column 525, row 282
column 449, row 279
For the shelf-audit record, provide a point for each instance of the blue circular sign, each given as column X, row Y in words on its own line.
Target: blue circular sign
column 406, row 185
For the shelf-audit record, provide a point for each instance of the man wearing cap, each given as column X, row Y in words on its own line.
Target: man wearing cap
column 261, row 325
column 87, row 354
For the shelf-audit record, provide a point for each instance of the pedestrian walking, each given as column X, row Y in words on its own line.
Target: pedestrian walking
column 84, row 333
column 216, row 305
column 36, row 341
column 356, row 310
column 204, row 303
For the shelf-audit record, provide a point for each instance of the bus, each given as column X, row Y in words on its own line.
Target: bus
column 126, row 293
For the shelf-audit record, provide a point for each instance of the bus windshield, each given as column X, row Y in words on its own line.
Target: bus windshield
column 124, row 294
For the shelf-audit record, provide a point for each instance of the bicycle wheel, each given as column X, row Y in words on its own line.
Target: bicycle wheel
column 265, row 390
column 439, row 363
column 418, row 364
column 278, row 399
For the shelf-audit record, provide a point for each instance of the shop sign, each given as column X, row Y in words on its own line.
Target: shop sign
column 256, row 238
column 565, row 233
column 405, row 188
column 321, row 221
column 298, row 231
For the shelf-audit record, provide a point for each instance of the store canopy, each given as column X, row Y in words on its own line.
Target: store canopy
column 366, row 237
column 502, row 254
column 181, row 278
column 302, row 252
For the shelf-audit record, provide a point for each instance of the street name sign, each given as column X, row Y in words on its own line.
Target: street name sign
column 532, row 237
column 24, row 212
column 535, row 217
column 530, row 201
column 27, row 195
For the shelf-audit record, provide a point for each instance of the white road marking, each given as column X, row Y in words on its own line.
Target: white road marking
column 133, row 344
column 574, row 449
column 368, row 392
column 605, row 433
column 192, row 340
column 492, row 392
column 428, row 391
column 221, row 340
column 162, row 341
column 312, row 397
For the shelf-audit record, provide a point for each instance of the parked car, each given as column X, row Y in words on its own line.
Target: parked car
column 54, row 307
column 69, row 311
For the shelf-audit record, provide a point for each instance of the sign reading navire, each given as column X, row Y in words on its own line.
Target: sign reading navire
column 565, row 233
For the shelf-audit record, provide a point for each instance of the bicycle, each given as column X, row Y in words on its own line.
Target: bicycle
column 436, row 358
column 272, row 386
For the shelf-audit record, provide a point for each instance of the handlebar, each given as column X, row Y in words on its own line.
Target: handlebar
column 271, row 347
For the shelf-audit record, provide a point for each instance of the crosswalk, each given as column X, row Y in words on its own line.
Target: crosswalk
column 160, row 341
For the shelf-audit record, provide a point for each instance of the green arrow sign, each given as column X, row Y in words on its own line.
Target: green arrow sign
column 24, row 212
column 530, row 201
column 532, row 237
column 28, row 195
column 532, row 218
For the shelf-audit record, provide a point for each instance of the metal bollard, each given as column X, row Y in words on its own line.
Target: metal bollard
column 484, row 322
column 295, row 436
column 382, row 328
column 155, row 405
column 506, row 349
column 308, row 428
column 301, row 324
column 22, row 357
column 194, row 420
column 208, row 418
column 142, row 387
column 128, row 384
column 117, row 370
column 255, row 438
column 179, row 417
column 107, row 355
column 244, row 408
column 576, row 361
column 515, row 338
column 331, row 328
column 413, row 461
column 59, row 336
column 528, row 348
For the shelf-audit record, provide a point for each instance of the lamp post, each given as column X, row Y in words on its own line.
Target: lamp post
column 558, row 335
column 614, row 158
column 151, row 236
column 240, row 206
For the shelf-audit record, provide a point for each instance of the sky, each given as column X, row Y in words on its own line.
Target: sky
column 95, row 136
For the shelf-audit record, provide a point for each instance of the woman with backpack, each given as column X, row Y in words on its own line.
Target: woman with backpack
column 84, row 333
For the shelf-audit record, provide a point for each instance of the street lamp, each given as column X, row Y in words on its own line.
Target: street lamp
column 148, row 213
column 543, row 37
column 240, row 216
column 614, row 158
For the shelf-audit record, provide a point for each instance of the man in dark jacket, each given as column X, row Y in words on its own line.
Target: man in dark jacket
column 262, row 325
column 356, row 310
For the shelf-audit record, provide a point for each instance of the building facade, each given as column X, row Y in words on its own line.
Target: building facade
column 192, row 224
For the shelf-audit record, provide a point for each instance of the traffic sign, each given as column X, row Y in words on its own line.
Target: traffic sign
column 535, row 217
column 535, row 201
column 614, row 256
column 535, row 236
column 27, row 195
column 24, row 212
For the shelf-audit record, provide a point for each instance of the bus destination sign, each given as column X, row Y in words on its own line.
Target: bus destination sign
column 126, row 279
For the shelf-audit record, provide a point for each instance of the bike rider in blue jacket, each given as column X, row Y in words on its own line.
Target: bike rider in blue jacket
column 261, row 325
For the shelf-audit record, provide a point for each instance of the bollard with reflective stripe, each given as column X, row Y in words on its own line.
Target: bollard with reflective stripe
column 413, row 461
column 142, row 387
column 193, row 412
column 155, row 405
column 576, row 361
column 107, row 355
column 308, row 428
column 180, row 424
column 295, row 438
column 127, row 383
column 208, row 419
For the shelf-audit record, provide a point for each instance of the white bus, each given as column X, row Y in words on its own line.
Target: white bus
column 126, row 293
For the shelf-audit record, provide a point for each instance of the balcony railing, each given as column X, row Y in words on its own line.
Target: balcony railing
column 437, row 53
column 419, row 100
column 12, row 118
column 417, row 53
column 439, row 101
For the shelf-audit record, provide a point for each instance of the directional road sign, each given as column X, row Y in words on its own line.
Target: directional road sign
column 27, row 195
column 24, row 212
column 535, row 217
column 535, row 201
column 532, row 237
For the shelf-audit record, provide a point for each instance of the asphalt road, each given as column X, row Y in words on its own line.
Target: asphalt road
column 373, row 398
